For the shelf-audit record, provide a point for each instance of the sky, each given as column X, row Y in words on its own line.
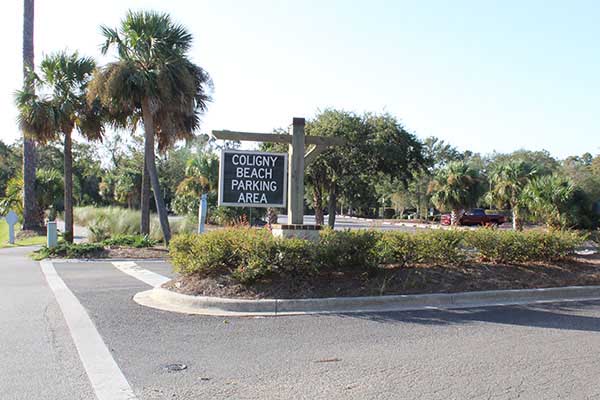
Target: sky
column 482, row 75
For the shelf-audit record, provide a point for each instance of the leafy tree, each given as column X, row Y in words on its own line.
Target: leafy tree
column 127, row 186
column 542, row 161
column 87, row 173
column 49, row 186
column 10, row 165
column 377, row 147
column 58, row 110
column 508, row 181
column 437, row 154
column 153, row 81
column 580, row 170
column 455, row 187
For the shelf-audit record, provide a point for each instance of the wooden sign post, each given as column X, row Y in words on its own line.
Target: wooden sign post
column 297, row 160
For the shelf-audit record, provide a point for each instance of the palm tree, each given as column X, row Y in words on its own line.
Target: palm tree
column 61, row 108
column 455, row 187
column 31, row 216
column 508, row 180
column 153, row 81
column 548, row 198
column 205, row 169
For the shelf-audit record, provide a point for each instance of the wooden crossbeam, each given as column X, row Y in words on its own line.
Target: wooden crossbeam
column 277, row 138
column 298, row 158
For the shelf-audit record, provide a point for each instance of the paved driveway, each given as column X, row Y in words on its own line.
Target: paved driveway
column 542, row 352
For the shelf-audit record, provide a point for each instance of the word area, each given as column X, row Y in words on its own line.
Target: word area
column 252, row 179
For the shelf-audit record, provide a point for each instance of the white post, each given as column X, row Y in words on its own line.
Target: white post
column 202, row 213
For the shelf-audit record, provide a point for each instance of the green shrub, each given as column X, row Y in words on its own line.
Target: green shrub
column 397, row 248
column 136, row 241
column 296, row 257
column 214, row 251
column 342, row 250
column 440, row 247
column 247, row 255
column 70, row 250
column 513, row 246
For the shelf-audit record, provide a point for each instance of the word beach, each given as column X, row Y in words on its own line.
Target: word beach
column 254, row 179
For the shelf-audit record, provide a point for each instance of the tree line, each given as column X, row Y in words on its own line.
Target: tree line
column 151, row 83
column 153, row 95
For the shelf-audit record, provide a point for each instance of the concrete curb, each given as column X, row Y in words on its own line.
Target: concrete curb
column 104, row 260
column 167, row 300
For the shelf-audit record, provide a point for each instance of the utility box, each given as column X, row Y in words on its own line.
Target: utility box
column 52, row 235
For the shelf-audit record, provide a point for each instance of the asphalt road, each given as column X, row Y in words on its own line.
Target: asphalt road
column 541, row 352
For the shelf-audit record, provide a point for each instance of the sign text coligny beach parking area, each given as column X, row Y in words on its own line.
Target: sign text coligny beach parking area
column 252, row 179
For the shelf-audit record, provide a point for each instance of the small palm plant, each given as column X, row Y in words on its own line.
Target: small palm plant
column 54, row 105
column 152, row 81
column 548, row 198
column 454, row 188
column 508, row 180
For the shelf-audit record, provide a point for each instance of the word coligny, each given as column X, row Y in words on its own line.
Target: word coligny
column 254, row 173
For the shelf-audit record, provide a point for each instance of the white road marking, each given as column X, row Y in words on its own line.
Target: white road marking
column 148, row 277
column 104, row 374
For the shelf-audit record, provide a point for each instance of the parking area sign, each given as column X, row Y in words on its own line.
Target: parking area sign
column 252, row 179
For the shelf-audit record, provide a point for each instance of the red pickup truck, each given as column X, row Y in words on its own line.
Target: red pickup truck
column 476, row 216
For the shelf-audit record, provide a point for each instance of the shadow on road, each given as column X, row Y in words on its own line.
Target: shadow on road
column 554, row 316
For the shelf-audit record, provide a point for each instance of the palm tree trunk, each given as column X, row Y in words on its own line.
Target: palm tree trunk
column 145, row 201
column 31, row 215
column 331, row 208
column 152, row 172
column 318, row 204
column 454, row 217
column 516, row 220
column 271, row 216
column 68, row 234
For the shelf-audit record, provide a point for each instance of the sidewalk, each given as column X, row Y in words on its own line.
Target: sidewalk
column 37, row 354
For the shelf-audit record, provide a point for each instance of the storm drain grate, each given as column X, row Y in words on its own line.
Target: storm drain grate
column 175, row 367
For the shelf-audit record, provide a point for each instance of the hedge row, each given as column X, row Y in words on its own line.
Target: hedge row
column 250, row 254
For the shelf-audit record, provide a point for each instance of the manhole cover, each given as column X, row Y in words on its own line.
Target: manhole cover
column 176, row 367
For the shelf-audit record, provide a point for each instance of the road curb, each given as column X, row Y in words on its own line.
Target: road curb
column 168, row 300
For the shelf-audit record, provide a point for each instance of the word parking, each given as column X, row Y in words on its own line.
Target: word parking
column 252, row 179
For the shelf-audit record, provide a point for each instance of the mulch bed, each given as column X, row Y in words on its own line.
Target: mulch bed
column 118, row 252
column 143, row 253
column 576, row 271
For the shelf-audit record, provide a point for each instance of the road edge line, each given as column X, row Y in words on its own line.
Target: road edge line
column 105, row 376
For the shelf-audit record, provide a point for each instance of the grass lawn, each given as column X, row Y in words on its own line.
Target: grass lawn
column 35, row 240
